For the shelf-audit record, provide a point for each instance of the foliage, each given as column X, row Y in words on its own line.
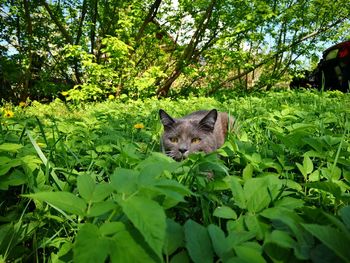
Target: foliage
column 140, row 49
column 87, row 184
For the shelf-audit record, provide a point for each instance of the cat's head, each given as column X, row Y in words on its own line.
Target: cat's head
column 193, row 133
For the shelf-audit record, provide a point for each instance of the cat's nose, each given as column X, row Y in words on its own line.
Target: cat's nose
column 182, row 150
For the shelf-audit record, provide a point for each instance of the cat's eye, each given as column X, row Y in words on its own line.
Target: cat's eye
column 174, row 139
column 195, row 140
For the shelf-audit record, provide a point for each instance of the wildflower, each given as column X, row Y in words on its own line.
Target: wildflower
column 139, row 126
column 8, row 114
column 64, row 93
column 111, row 97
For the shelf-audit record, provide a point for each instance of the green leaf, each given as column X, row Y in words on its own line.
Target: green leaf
column 225, row 212
column 237, row 191
column 174, row 237
column 314, row 176
column 218, row 240
column 111, row 228
column 149, row 218
column 125, row 248
column 255, row 226
column 290, row 202
column 10, row 147
column 6, row 164
column 302, row 170
column 101, row 192
column 249, row 253
column 239, row 237
column 281, row 238
column 345, row 215
column 181, row 257
column 100, row 208
column 292, row 220
column 86, row 186
column 124, row 180
column 198, row 242
column 90, row 246
column 326, row 186
column 308, row 165
column 260, row 192
column 332, row 238
column 248, row 172
column 155, row 165
column 13, row 179
column 65, row 201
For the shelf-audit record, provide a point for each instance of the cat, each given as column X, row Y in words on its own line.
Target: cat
column 200, row 131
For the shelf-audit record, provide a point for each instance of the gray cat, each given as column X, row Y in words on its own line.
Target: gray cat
column 200, row 131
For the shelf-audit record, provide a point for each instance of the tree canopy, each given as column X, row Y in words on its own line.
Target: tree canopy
column 91, row 49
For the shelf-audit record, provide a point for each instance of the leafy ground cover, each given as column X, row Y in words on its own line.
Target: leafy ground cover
column 89, row 184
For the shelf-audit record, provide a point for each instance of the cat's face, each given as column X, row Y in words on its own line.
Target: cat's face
column 193, row 133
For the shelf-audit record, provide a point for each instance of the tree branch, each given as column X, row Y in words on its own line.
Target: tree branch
column 276, row 54
column 58, row 23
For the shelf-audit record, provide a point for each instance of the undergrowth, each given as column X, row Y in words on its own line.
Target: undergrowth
column 88, row 183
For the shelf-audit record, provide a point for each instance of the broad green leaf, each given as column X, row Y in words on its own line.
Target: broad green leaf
column 124, row 180
column 7, row 163
column 126, row 249
column 345, row 215
column 218, row 240
column 302, row 170
column 65, row 201
column 198, row 242
column 314, row 176
column 101, row 192
column 10, row 147
column 149, row 218
column 181, row 257
column 260, row 192
column 237, row 191
column 290, row 202
column 90, row 246
column 86, row 186
column 255, row 226
column 249, row 254
column 100, row 208
column 337, row 241
column 281, row 238
column 156, row 164
column 327, row 186
column 248, row 172
column 322, row 254
column 225, row 212
column 174, row 238
column 13, row 179
column 111, row 228
column 236, row 225
column 308, row 165
column 292, row 220
column 173, row 185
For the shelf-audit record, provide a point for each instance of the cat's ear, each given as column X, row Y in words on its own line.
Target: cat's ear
column 208, row 122
column 166, row 119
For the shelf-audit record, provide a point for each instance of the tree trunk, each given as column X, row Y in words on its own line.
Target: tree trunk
column 150, row 16
column 93, row 25
column 27, row 75
column 55, row 19
column 81, row 22
column 188, row 53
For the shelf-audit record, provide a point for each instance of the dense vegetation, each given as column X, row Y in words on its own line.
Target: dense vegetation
column 91, row 49
column 87, row 183
column 82, row 178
